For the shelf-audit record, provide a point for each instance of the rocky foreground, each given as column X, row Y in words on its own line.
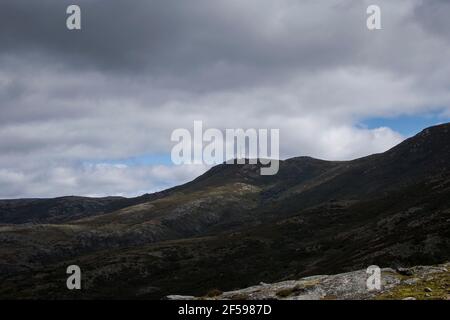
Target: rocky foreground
column 420, row 282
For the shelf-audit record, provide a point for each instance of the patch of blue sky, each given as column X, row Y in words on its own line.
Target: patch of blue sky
column 140, row 160
column 406, row 125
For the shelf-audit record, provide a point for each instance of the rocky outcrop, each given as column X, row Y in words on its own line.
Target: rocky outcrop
column 421, row 282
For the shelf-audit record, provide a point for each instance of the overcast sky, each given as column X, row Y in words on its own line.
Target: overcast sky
column 91, row 112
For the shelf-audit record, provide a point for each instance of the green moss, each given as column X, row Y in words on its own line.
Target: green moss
column 439, row 283
column 239, row 296
column 214, row 293
column 285, row 292
column 298, row 289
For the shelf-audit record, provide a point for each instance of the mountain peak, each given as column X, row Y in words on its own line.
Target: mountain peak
column 431, row 142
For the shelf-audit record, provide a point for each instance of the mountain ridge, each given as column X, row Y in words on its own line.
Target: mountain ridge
column 245, row 173
column 231, row 228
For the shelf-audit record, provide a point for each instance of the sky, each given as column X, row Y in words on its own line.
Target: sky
column 90, row 112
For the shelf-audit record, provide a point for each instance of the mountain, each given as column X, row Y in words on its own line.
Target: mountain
column 62, row 209
column 232, row 228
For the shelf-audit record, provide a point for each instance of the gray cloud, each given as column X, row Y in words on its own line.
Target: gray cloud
column 217, row 43
column 433, row 16
column 140, row 69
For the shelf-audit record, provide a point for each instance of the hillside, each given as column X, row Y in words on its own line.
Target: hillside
column 232, row 228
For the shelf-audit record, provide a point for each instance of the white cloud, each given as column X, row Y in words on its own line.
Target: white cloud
column 95, row 180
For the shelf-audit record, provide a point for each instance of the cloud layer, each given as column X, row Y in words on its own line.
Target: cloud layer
column 72, row 102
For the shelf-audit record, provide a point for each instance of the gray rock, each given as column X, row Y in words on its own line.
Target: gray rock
column 405, row 271
column 178, row 297
column 411, row 281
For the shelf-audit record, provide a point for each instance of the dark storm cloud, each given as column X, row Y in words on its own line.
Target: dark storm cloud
column 208, row 45
column 111, row 28
column 433, row 15
column 218, row 43
column 222, row 43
